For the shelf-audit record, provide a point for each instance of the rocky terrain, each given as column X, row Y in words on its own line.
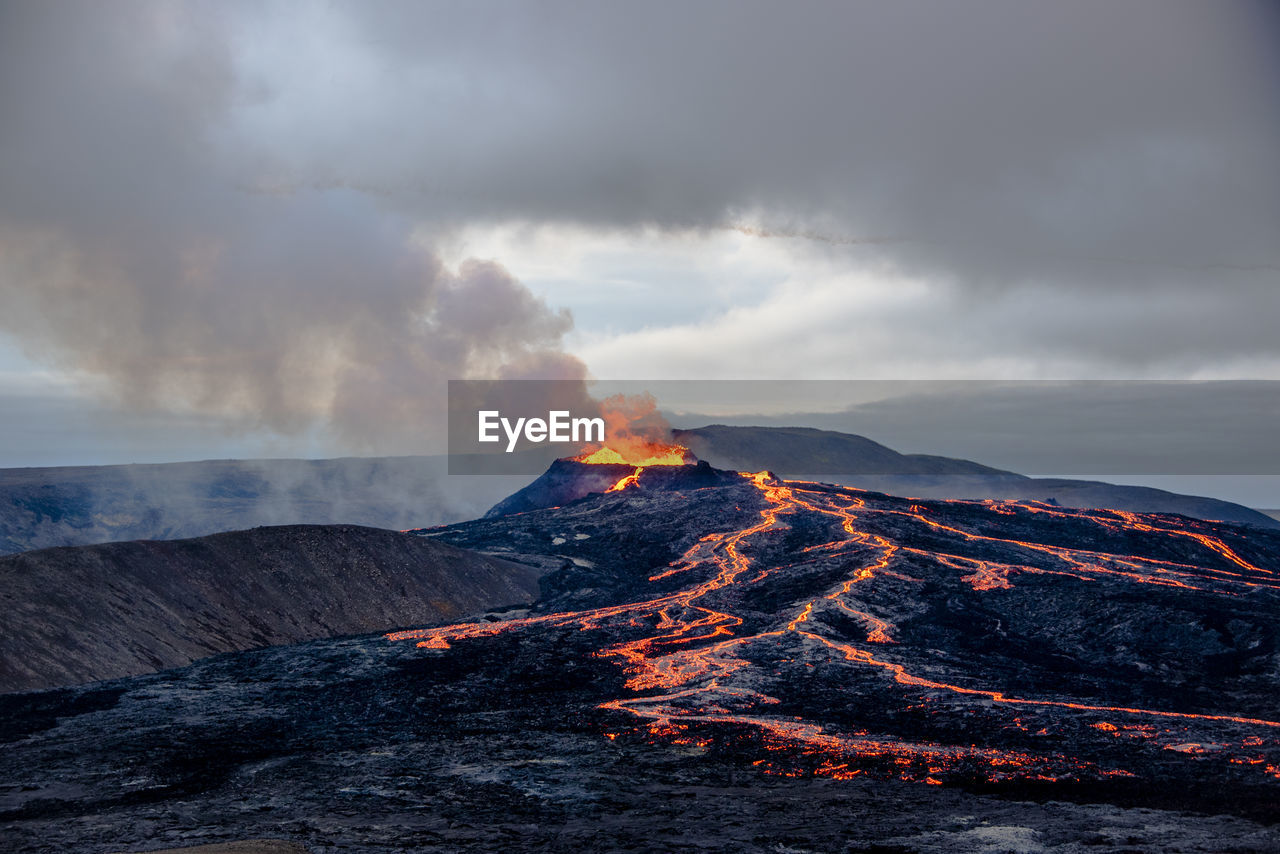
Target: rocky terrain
column 749, row 665
column 82, row 614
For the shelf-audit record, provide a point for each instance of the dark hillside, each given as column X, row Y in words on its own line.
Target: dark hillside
column 81, row 614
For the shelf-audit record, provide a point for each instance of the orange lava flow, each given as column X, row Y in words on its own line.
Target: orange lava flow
column 695, row 665
column 632, row 479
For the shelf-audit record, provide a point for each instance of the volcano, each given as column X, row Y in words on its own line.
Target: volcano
column 723, row 661
column 568, row 480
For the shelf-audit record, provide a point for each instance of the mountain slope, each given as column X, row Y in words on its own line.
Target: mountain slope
column 857, row 461
column 80, row 614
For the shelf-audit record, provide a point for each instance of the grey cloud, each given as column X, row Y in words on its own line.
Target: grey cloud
column 997, row 142
column 219, row 201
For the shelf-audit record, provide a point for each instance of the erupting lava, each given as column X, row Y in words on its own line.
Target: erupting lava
column 639, row 454
column 637, row 435
column 701, row 661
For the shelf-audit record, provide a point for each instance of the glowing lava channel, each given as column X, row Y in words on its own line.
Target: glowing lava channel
column 691, row 668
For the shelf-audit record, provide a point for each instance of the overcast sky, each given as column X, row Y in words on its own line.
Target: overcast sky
column 278, row 228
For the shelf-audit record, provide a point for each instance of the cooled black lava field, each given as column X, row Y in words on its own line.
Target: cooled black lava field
column 723, row 662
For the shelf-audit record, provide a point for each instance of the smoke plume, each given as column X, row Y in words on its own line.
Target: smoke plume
column 138, row 250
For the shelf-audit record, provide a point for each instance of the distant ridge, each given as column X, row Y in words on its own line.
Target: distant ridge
column 858, row 461
column 807, row 450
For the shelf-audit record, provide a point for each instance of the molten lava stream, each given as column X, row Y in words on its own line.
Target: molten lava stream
column 691, row 657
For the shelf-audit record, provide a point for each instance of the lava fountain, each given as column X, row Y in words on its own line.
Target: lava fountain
column 638, row 436
column 640, row 455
